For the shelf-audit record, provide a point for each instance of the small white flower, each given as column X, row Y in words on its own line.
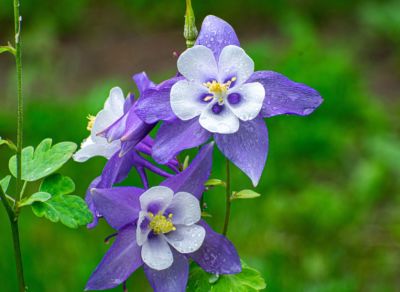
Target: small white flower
column 96, row 145
column 166, row 219
column 217, row 91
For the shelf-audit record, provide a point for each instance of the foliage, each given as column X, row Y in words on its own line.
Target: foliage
column 249, row 280
column 42, row 161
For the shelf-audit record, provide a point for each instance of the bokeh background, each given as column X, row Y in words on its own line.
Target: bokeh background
column 329, row 215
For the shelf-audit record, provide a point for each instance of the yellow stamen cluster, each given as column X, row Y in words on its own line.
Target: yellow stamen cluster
column 217, row 89
column 161, row 224
column 91, row 120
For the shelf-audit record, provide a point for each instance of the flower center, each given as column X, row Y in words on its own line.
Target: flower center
column 218, row 90
column 160, row 224
column 91, row 120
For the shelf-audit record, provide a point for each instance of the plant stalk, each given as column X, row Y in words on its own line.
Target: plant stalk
column 228, row 197
column 13, row 216
column 20, row 109
column 17, row 253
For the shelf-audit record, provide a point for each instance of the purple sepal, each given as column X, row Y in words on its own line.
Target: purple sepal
column 175, row 136
column 173, row 279
column 89, row 202
column 121, row 260
column 193, row 178
column 119, row 205
column 217, row 255
column 142, row 82
column 216, row 34
column 284, row 96
column 247, row 148
column 154, row 104
column 117, row 169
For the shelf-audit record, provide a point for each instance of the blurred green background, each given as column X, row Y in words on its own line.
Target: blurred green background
column 329, row 215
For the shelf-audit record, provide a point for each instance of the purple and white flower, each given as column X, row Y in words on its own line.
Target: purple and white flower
column 220, row 96
column 160, row 229
column 217, row 91
column 119, row 135
column 167, row 219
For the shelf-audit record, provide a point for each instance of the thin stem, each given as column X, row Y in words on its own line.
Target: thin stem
column 16, row 244
column 18, row 63
column 17, row 253
column 23, row 189
column 228, row 197
column 20, row 112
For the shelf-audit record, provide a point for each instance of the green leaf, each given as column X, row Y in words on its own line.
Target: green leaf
column 245, row 194
column 213, row 182
column 8, row 48
column 45, row 160
column 5, row 182
column 37, row 197
column 71, row 211
column 249, row 280
column 56, row 184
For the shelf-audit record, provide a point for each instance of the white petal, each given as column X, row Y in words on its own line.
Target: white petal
column 186, row 99
column 198, row 64
column 186, row 239
column 234, row 62
column 142, row 229
column 156, row 197
column 112, row 111
column 156, row 253
column 251, row 100
column 185, row 209
column 100, row 147
column 224, row 122
column 115, row 101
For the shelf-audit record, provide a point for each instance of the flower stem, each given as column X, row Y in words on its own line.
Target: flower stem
column 13, row 218
column 18, row 63
column 13, row 214
column 228, row 197
column 18, row 256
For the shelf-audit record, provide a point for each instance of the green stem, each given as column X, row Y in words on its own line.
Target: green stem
column 23, row 190
column 13, row 218
column 20, row 111
column 18, row 63
column 17, row 253
column 228, row 197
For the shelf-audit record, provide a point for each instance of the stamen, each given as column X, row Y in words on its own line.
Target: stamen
column 91, row 120
column 161, row 224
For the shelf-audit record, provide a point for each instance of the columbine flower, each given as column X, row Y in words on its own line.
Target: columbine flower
column 118, row 134
column 219, row 95
column 217, row 92
column 167, row 220
column 160, row 229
